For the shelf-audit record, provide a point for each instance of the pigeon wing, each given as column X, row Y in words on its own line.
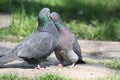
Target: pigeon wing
column 38, row 46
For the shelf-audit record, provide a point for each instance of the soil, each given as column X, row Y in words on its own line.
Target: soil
column 93, row 52
column 5, row 20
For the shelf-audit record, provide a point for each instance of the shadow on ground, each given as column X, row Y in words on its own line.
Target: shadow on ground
column 92, row 69
column 93, row 52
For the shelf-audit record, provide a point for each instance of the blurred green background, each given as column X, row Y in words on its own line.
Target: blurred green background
column 88, row 19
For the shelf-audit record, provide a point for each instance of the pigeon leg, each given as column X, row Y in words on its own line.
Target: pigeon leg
column 39, row 67
column 60, row 65
column 71, row 66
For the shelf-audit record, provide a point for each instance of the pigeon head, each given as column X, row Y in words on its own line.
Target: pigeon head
column 55, row 16
column 43, row 16
column 57, row 21
column 45, row 23
column 44, row 12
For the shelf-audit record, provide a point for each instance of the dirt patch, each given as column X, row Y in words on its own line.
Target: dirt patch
column 5, row 20
column 89, row 71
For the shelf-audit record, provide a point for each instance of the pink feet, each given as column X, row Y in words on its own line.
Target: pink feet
column 60, row 65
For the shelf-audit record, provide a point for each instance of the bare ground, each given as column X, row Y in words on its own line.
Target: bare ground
column 93, row 52
column 5, row 20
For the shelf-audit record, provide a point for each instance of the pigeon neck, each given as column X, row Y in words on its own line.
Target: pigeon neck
column 60, row 26
column 44, row 24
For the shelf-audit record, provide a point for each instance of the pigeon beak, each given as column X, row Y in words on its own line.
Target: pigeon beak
column 49, row 14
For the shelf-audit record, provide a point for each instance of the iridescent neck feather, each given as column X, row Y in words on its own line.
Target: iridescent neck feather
column 45, row 24
column 60, row 25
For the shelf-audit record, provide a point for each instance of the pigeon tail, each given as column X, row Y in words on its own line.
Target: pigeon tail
column 2, row 55
column 8, row 57
column 80, row 62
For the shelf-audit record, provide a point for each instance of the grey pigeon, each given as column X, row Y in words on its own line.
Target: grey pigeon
column 68, row 50
column 39, row 45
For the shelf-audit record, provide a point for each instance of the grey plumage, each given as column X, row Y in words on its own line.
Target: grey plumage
column 39, row 45
column 68, row 50
column 3, row 50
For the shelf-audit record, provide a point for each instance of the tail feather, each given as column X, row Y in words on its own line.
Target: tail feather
column 80, row 62
column 1, row 55
column 8, row 57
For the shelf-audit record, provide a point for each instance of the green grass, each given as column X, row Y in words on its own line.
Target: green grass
column 52, row 77
column 12, row 77
column 44, row 77
column 88, row 19
column 112, row 63
column 23, row 25
column 112, row 76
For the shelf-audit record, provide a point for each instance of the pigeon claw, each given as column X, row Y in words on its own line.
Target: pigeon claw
column 39, row 67
column 71, row 66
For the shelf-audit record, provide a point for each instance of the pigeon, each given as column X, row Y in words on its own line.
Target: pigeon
column 68, row 50
column 39, row 45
